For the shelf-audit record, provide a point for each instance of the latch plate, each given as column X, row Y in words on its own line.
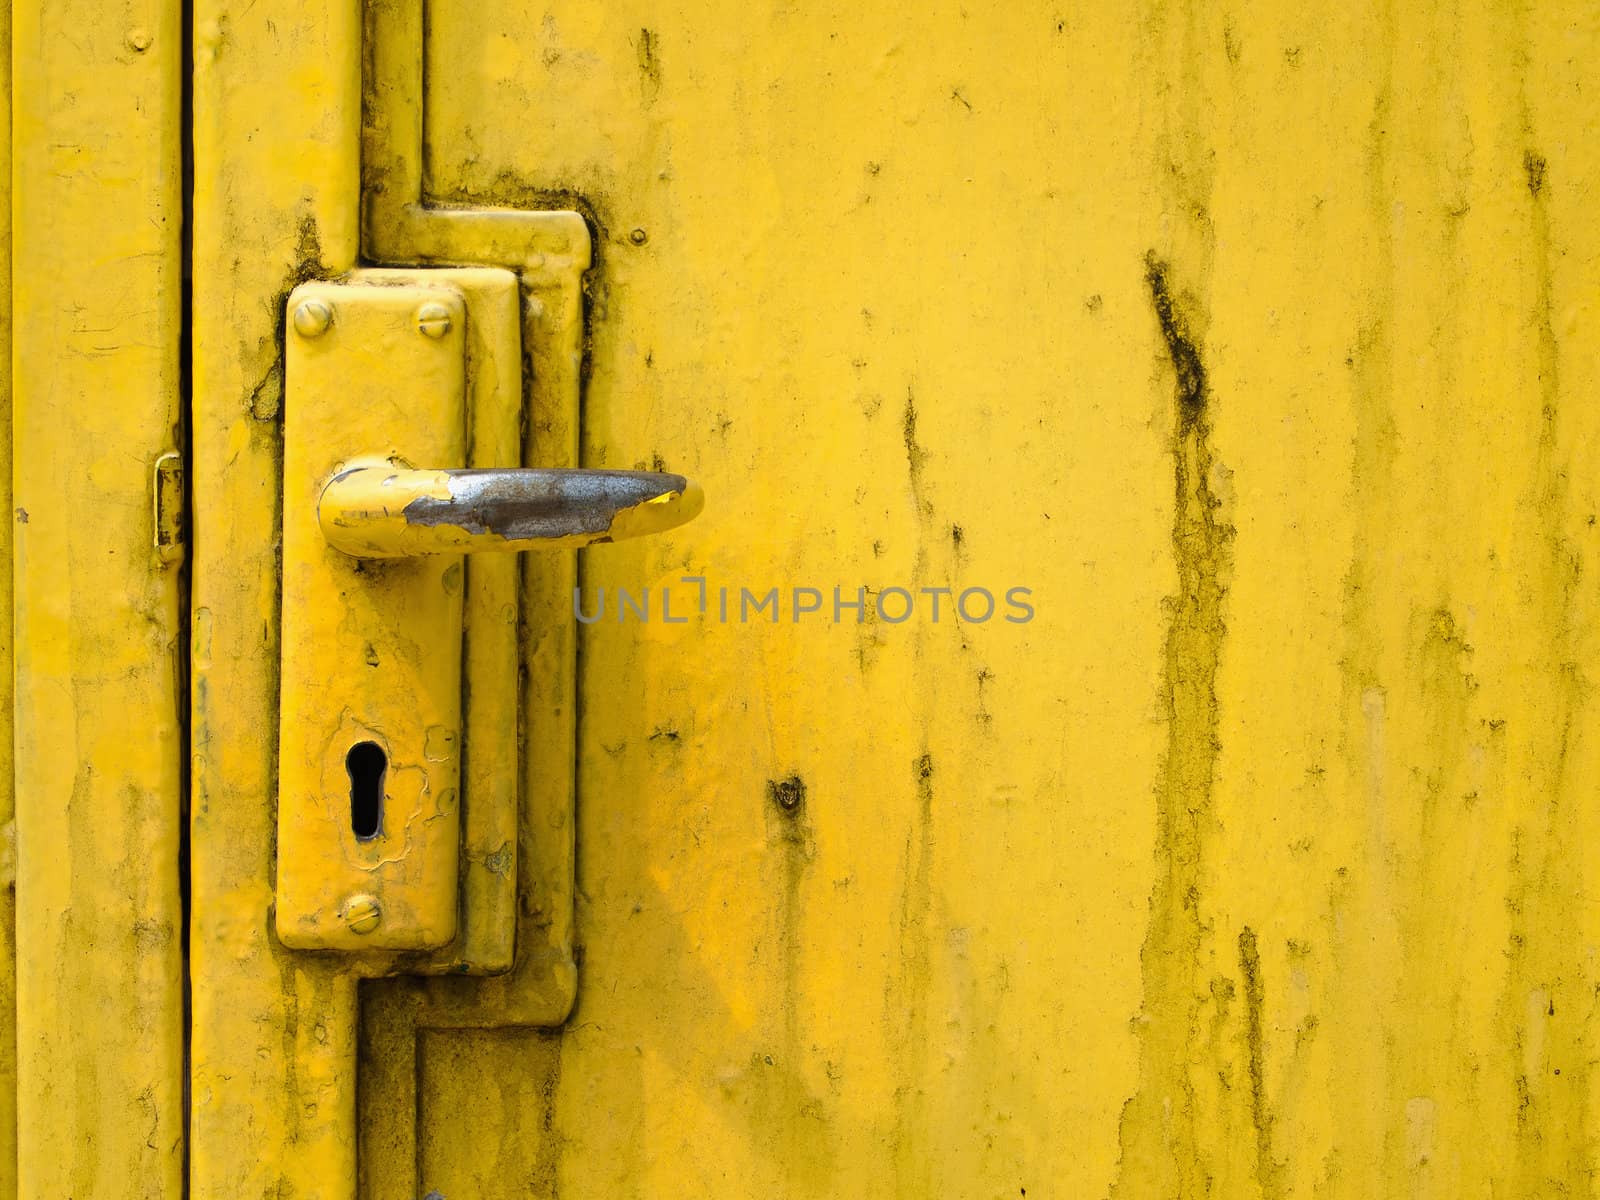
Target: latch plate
column 414, row 356
column 371, row 652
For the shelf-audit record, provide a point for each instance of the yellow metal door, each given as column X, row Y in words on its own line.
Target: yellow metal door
column 1242, row 354
column 92, row 583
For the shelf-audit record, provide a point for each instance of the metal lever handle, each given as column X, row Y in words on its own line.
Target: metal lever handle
column 384, row 512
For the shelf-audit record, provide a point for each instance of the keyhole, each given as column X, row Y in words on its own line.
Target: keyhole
column 366, row 763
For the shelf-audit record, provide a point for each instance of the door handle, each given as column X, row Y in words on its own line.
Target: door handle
column 383, row 512
column 399, row 820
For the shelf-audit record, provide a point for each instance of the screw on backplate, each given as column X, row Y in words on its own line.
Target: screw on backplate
column 638, row 237
column 433, row 319
column 362, row 914
column 312, row 318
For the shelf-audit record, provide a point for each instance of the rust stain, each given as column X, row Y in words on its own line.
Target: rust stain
column 1159, row 1138
column 648, row 50
column 1546, row 995
column 1267, row 1171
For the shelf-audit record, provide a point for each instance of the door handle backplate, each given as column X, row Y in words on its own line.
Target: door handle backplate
column 399, row 637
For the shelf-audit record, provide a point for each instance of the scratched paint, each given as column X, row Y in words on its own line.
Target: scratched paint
column 1254, row 340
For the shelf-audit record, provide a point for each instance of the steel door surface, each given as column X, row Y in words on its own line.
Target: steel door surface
column 1122, row 725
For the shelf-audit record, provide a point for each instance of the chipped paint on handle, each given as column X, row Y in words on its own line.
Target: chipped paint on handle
column 382, row 512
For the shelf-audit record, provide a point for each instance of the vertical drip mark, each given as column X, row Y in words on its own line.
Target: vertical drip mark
column 1193, row 391
column 1546, row 999
column 913, row 1174
column 908, row 992
column 1255, row 1061
column 1160, row 1149
column 1359, row 925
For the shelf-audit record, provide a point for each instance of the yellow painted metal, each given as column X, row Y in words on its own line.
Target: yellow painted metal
column 276, row 135
column 550, row 248
column 96, row 645
column 370, row 658
column 8, row 826
column 1254, row 340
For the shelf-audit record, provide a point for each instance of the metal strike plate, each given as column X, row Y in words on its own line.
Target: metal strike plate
column 371, row 718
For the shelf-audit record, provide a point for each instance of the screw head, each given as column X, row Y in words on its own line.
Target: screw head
column 362, row 913
column 638, row 237
column 433, row 319
column 312, row 318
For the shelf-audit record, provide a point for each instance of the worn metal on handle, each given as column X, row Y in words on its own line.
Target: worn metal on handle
column 385, row 512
